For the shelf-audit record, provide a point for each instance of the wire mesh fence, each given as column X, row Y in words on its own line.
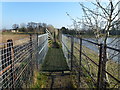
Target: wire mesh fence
column 87, row 59
column 19, row 58
column 42, row 47
column 66, row 47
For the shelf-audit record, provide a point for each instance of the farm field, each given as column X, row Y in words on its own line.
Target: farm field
column 18, row 39
column 5, row 37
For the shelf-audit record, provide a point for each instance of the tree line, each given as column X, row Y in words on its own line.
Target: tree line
column 30, row 27
column 115, row 30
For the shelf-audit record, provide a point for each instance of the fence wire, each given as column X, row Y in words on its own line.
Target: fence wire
column 66, row 47
column 88, row 60
column 42, row 47
column 19, row 58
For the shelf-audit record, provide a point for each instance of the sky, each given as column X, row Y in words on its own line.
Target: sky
column 54, row 13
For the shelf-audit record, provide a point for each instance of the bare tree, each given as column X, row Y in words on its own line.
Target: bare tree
column 32, row 26
column 100, row 20
column 51, row 29
column 75, row 23
column 103, row 18
column 23, row 25
column 15, row 26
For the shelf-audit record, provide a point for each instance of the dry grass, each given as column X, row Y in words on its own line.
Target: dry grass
column 4, row 38
column 18, row 39
column 112, row 66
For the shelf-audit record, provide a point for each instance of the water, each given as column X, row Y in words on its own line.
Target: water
column 111, row 42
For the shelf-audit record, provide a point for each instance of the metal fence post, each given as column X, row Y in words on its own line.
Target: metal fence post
column 31, row 52
column 37, row 52
column 31, row 44
column 72, row 44
column 99, row 68
column 80, row 62
column 118, row 65
column 10, row 60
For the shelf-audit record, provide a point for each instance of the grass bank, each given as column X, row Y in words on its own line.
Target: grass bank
column 92, row 69
column 112, row 67
column 40, row 80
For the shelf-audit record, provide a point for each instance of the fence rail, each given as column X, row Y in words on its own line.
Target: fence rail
column 19, row 58
column 87, row 65
column 42, row 47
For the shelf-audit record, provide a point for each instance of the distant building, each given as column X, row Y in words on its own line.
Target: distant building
column 14, row 31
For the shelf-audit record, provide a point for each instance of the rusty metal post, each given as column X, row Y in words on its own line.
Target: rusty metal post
column 31, row 44
column 99, row 68
column 31, row 52
column 10, row 60
column 72, row 45
column 80, row 62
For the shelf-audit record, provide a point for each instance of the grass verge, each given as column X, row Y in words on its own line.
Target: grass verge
column 40, row 80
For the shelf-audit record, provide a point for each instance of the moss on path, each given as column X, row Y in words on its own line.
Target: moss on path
column 55, row 61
